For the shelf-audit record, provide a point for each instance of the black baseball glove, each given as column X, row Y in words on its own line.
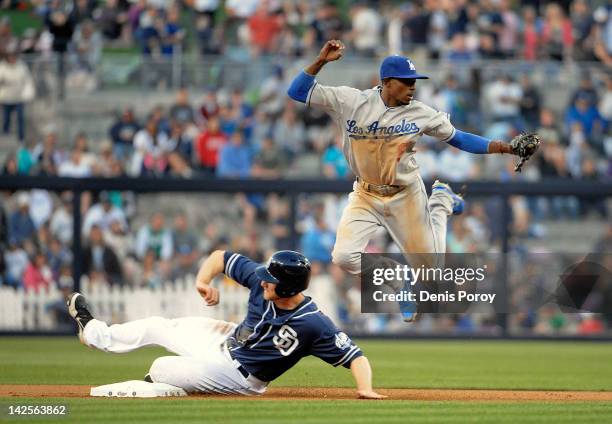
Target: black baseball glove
column 524, row 146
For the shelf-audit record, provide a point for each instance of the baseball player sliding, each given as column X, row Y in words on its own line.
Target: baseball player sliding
column 380, row 127
column 281, row 327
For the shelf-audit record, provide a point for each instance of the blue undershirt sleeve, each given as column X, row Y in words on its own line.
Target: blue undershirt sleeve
column 471, row 143
column 300, row 87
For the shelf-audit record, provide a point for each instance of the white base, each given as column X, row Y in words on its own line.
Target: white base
column 137, row 389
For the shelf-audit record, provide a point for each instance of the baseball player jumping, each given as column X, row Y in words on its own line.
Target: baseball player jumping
column 281, row 327
column 380, row 127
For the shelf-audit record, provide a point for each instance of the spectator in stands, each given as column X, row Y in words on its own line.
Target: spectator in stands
column 602, row 44
column 456, row 165
column 106, row 164
column 155, row 237
column 181, row 152
column 238, row 12
column 504, row 98
column 290, row 134
column 41, row 206
column 181, row 111
column 264, row 28
column 209, row 107
column 7, row 38
column 366, row 29
column 61, row 220
column 530, row 34
column 509, row 31
column 102, row 214
column 122, row 133
column 150, row 275
column 208, row 145
column 234, row 158
column 270, row 161
column 548, row 129
column 530, row 103
column 184, row 264
column 272, row 97
column 21, row 226
column 586, row 90
column 318, row 241
column 58, row 256
column 185, row 243
column 557, row 39
column 48, row 156
column 151, row 148
column 10, row 166
column 149, row 24
column 16, row 260
column 75, row 166
column 118, row 239
column 183, row 234
column 61, row 26
column 459, row 52
column 459, row 238
column 582, row 23
column 101, row 259
column 327, row 25
column 37, row 274
column 171, row 33
column 204, row 23
column 333, row 162
column 16, row 89
column 86, row 46
column 588, row 116
column 111, row 19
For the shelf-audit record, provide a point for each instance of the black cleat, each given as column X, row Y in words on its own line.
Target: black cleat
column 77, row 308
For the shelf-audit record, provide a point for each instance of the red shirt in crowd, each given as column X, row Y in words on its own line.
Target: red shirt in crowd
column 35, row 278
column 263, row 28
column 209, row 144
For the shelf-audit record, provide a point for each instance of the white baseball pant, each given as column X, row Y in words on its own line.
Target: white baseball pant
column 203, row 365
column 414, row 222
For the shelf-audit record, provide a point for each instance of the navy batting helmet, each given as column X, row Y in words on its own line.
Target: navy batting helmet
column 289, row 270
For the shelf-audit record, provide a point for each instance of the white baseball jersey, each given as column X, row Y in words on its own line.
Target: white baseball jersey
column 379, row 140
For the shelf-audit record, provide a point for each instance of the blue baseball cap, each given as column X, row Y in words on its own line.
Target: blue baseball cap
column 397, row 66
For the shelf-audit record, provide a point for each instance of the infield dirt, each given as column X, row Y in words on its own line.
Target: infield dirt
column 314, row 393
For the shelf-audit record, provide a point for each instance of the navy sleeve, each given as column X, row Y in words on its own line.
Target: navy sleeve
column 335, row 347
column 240, row 269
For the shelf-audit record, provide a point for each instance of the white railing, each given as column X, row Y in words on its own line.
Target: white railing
column 28, row 310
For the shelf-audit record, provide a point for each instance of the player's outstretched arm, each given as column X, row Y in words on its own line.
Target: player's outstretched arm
column 210, row 268
column 362, row 373
column 303, row 82
column 523, row 145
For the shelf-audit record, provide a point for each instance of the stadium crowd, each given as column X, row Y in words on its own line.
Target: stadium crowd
column 234, row 133
column 460, row 30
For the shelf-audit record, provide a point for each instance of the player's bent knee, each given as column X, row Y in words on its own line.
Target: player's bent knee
column 348, row 261
column 161, row 370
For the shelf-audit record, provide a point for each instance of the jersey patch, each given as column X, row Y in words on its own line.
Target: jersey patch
column 342, row 341
column 286, row 340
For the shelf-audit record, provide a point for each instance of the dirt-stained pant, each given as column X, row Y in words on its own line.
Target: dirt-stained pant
column 414, row 222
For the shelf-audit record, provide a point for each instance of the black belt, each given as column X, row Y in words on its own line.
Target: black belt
column 242, row 370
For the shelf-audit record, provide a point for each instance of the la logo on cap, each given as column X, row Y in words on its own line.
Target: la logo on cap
column 410, row 65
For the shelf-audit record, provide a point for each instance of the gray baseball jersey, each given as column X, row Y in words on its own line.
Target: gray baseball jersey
column 379, row 140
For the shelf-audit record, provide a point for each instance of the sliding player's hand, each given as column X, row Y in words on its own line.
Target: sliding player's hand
column 209, row 294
